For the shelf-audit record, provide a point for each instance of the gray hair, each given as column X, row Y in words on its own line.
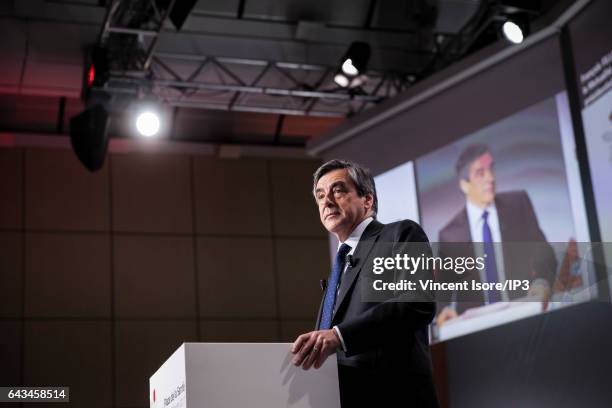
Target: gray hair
column 361, row 176
column 467, row 157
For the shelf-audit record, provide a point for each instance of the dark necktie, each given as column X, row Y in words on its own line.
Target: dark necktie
column 490, row 263
column 332, row 287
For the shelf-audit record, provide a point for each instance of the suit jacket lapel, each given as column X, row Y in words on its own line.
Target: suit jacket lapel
column 461, row 243
column 463, row 227
column 365, row 245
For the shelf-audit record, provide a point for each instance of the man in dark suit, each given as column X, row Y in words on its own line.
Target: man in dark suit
column 489, row 219
column 382, row 346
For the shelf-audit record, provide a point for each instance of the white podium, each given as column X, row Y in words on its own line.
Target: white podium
column 236, row 375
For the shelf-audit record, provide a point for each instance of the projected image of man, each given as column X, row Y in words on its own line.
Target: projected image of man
column 487, row 219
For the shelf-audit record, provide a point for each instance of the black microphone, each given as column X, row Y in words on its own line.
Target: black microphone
column 323, row 283
column 351, row 260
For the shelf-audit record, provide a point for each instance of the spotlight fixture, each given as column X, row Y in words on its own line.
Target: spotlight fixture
column 515, row 28
column 513, row 32
column 341, row 80
column 148, row 123
column 353, row 65
column 348, row 68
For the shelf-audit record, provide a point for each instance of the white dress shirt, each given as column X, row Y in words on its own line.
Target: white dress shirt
column 355, row 236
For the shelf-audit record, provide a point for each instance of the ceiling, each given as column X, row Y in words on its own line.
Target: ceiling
column 238, row 53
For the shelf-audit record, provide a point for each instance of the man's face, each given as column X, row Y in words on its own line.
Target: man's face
column 480, row 186
column 340, row 207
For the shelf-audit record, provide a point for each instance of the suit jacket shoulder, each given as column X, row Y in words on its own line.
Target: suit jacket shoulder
column 515, row 200
column 517, row 218
column 457, row 229
column 403, row 231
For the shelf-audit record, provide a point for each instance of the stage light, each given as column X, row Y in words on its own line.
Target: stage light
column 351, row 72
column 356, row 59
column 348, row 68
column 358, row 81
column 515, row 26
column 513, row 32
column 148, row 123
column 341, row 80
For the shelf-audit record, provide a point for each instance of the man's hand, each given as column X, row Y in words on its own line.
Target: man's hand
column 541, row 291
column 314, row 347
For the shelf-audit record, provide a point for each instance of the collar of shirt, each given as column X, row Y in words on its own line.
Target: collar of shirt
column 355, row 236
column 476, row 221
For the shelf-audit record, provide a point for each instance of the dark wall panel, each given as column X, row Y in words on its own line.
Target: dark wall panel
column 559, row 359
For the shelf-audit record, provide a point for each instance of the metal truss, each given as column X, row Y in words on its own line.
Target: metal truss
column 131, row 31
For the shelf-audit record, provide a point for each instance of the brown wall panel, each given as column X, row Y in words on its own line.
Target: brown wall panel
column 11, row 274
column 154, row 277
column 67, row 275
column 11, row 188
column 62, row 195
column 232, row 196
column 70, row 353
column 151, row 193
column 294, row 209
